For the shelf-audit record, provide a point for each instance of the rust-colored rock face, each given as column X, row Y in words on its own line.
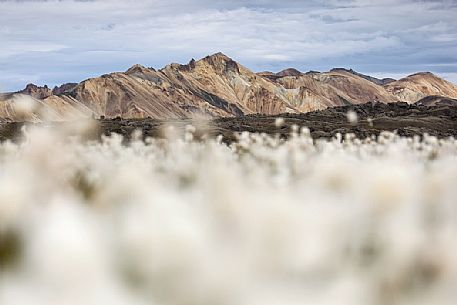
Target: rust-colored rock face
column 213, row 86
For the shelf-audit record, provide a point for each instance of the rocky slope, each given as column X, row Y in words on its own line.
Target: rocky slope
column 215, row 86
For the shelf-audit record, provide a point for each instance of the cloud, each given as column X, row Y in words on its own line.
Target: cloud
column 57, row 41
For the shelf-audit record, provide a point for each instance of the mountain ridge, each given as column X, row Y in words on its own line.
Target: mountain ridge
column 215, row 86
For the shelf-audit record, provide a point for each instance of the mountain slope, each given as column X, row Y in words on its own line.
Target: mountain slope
column 213, row 86
column 218, row 79
column 313, row 91
column 372, row 79
column 417, row 86
column 23, row 107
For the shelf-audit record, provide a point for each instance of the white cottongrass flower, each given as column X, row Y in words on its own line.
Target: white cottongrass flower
column 260, row 221
column 352, row 117
column 279, row 122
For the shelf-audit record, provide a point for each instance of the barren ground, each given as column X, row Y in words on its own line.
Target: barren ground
column 406, row 120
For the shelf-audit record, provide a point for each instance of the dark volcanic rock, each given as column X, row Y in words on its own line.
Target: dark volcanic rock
column 373, row 118
column 289, row 72
column 436, row 100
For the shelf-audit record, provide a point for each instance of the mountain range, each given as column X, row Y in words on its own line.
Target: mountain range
column 217, row 86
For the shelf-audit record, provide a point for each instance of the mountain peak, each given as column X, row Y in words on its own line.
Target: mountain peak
column 37, row 91
column 218, row 61
column 32, row 86
column 426, row 74
column 342, row 70
column 217, row 58
column 221, row 63
column 289, row 72
column 137, row 69
column 64, row 88
column 218, row 55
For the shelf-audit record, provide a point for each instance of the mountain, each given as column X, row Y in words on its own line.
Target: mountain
column 417, row 86
column 313, row 91
column 213, row 86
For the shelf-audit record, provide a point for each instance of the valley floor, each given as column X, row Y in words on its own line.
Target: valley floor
column 371, row 120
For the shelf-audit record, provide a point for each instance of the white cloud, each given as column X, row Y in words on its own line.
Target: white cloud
column 19, row 47
column 58, row 41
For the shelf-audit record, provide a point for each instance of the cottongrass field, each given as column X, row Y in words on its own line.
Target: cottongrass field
column 262, row 221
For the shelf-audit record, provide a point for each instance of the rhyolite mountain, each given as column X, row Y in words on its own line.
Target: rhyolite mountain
column 213, row 86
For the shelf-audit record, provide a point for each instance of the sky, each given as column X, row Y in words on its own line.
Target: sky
column 54, row 42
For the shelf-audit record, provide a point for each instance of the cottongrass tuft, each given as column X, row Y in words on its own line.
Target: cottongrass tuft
column 352, row 117
column 279, row 122
column 260, row 221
